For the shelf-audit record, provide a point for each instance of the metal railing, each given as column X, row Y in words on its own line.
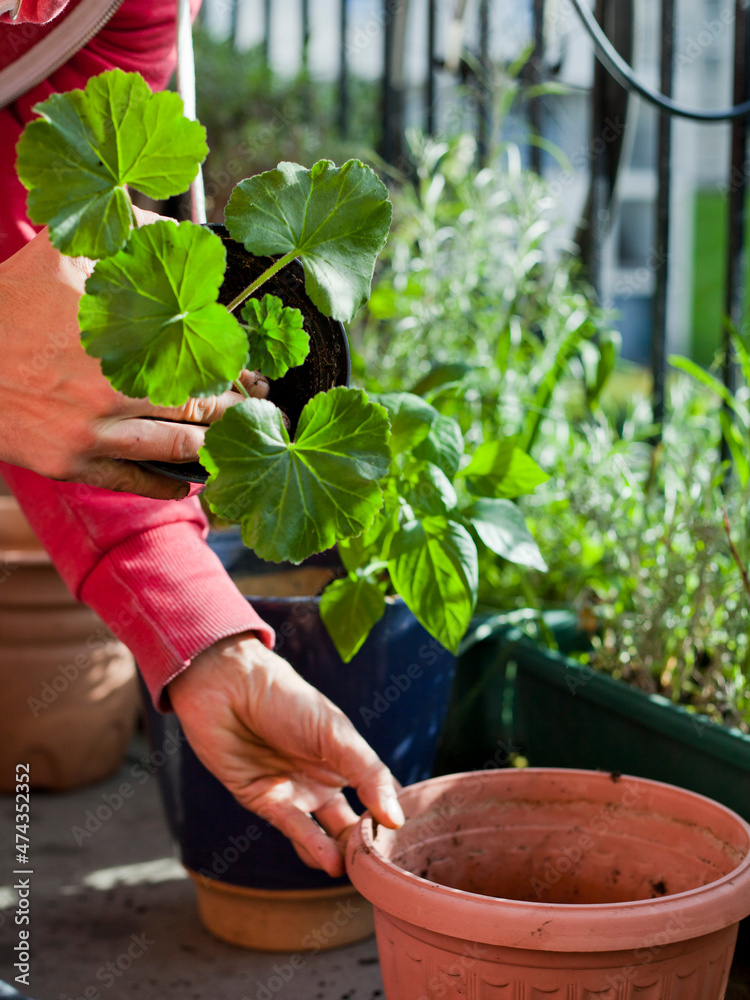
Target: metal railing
column 610, row 24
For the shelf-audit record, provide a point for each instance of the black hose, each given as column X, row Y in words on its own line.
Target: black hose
column 624, row 73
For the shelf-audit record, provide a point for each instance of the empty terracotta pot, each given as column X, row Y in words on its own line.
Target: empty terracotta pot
column 543, row 883
column 69, row 691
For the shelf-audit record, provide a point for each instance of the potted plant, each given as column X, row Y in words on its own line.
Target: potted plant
column 386, row 479
column 553, row 882
column 633, row 535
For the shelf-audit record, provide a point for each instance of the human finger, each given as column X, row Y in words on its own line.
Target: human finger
column 351, row 756
column 256, row 384
column 205, row 410
column 336, row 816
column 127, row 477
column 150, row 440
column 304, row 832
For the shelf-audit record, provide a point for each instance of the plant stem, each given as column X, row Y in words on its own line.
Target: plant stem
column 240, row 388
column 735, row 553
column 273, row 269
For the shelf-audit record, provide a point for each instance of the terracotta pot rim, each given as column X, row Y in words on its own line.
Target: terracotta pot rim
column 551, row 926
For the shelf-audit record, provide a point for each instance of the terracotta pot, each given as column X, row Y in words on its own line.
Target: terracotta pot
column 70, row 697
column 542, row 883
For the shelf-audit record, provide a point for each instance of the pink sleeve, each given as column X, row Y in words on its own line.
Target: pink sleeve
column 37, row 11
column 143, row 566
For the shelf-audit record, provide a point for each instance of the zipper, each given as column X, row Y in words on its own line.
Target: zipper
column 52, row 51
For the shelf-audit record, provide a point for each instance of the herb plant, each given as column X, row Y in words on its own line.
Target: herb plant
column 386, row 479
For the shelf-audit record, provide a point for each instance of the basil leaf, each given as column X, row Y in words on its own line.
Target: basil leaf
column 500, row 469
column 297, row 498
column 276, row 336
column 335, row 219
column 434, row 567
column 500, row 525
column 349, row 609
column 411, row 419
column 431, row 491
column 443, row 446
column 150, row 314
column 77, row 158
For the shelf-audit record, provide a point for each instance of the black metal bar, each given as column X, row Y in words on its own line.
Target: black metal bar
column 343, row 110
column 734, row 301
column 430, row 111
column 394, row 21
column 484, row 85
column 601, row 188
column 305, row 54
column 537, row 76
column 267, row 32
column 234, row 21
column 663, row 201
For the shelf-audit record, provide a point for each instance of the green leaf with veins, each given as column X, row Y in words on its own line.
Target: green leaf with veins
column 501, row 470
column 276, row 336
column 430, row 491
column 349, row 609
column 335, row 219
column 434, row 567
column 500, row 525
column 411, row 419
column 300, row 497
column 150, row 314
column 443, row 446
column 77, row 158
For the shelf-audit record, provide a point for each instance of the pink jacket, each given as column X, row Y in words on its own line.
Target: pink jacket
column 142, row 565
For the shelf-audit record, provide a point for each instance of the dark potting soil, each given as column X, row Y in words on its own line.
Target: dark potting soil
column 326, row 366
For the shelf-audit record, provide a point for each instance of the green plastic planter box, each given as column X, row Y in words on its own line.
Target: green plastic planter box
column 559, row 713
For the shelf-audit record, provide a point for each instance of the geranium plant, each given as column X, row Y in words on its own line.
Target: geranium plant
column 385, row 479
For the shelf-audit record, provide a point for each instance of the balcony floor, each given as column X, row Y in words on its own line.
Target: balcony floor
column 89, row 902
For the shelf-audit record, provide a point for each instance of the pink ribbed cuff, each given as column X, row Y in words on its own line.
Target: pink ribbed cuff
column 169, row 598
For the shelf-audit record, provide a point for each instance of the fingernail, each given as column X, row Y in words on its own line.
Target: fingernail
column 394, row 810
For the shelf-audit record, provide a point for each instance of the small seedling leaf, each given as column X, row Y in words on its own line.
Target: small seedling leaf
column 276, row 336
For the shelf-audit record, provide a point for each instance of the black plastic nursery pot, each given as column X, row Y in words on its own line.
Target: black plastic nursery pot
column 557, row 712
column 327, row 365
column 252, row 888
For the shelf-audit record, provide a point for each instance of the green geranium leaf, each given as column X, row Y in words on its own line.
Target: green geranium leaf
column 335, row 219
column 443, row 446
column 77, row 158
column 500, row 525
column 297, row 498
column 500, row 469
column 349, row 608
column 150, row 314
column 276, row 336
column 434, row 567
column 411, row 419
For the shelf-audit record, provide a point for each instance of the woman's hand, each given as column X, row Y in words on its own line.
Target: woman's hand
column 281, row 748
column 59, row 415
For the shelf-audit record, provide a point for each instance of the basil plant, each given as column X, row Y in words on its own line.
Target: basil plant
column 385, row 479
